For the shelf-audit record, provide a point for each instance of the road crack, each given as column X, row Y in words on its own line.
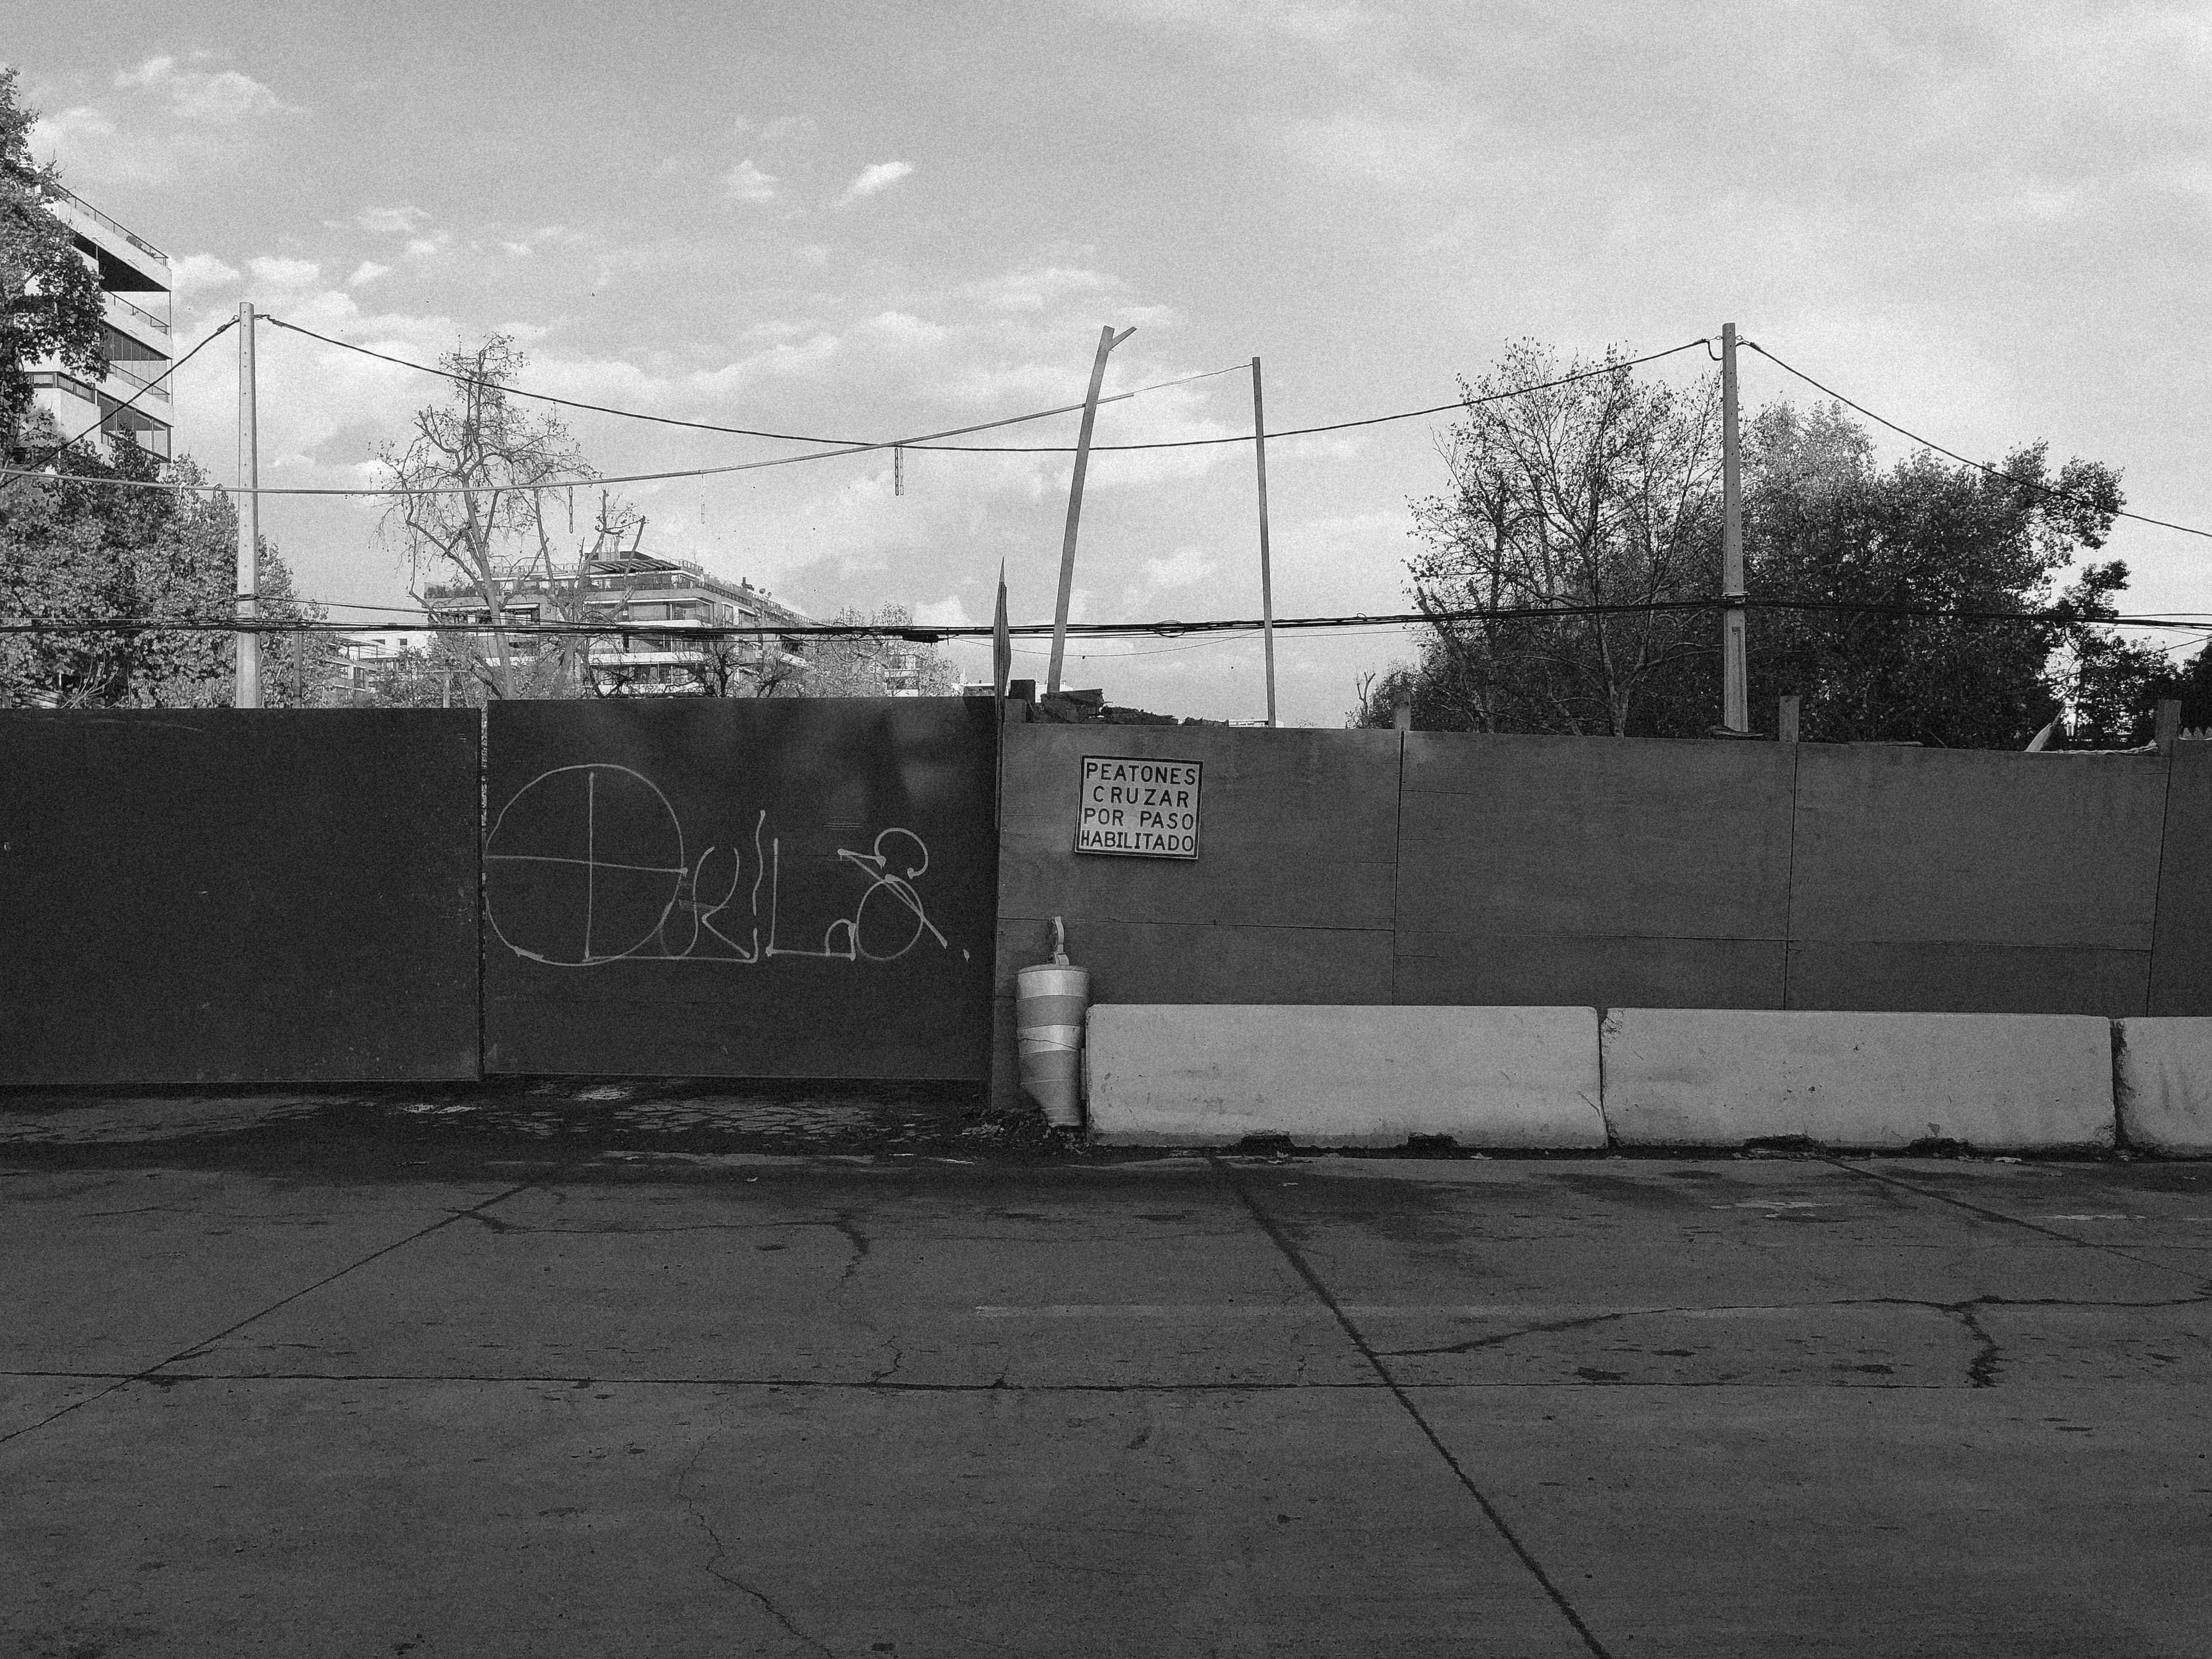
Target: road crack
column 713, row 1567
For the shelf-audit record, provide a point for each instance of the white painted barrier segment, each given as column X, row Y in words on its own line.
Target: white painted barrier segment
column 1209, row 1075
column 1718, row 1078
column 2165, row 1084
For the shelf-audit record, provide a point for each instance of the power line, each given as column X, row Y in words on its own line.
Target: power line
column 932, row 634
column 1601, row 371
column 1980, row 467
column 1004, row 449
column 927, row 440
column 854, row 444
column 36, row 468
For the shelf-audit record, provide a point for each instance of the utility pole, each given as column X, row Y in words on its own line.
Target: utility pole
column 247, row 694
column 1734, row 713
column 1266, row 579
column 1108, row 339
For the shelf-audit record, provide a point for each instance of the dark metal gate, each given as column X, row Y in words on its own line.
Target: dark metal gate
column 762, row 888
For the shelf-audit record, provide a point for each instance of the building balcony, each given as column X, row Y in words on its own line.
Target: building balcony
column 71, row 202
column 141, row 373
column 130, row 318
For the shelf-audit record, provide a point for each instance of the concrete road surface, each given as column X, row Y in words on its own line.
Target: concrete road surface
column 267, row 1387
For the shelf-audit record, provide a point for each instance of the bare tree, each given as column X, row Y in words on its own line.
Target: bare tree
column 489, row 527
column 879, row 664
column 1601, row 493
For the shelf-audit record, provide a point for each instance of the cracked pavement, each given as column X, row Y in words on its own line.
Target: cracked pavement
column 439, row 1383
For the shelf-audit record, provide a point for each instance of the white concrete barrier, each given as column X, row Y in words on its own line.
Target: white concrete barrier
column 2165, row 1076
column 1209, row 1075
column 1718, row 1078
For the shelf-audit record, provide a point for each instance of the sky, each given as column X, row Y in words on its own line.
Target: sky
column 1989, row 223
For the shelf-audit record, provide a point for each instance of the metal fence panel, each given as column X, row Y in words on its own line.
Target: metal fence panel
column 763, row 888
column 237, row 896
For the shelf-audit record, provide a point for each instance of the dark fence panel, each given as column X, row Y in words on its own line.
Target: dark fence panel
column 2181, row 958
column 237, row 896
column 1585, row 871
column 769, row 888
column 1974, row 881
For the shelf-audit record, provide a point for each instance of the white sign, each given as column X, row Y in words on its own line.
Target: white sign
column 1146, row 809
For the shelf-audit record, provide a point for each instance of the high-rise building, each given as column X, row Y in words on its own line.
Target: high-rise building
column 631, row 588
column 134, row 276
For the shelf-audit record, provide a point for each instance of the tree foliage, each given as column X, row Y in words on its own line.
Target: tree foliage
column 74, row 550
column 1605, row 492
column 49, row 303
column 1825, row 525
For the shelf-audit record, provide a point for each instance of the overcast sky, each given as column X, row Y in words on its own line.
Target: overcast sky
column 1991, row 223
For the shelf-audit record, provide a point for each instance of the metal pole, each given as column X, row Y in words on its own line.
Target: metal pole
column 1108, row 339
column 1734, row 709
column 247, row 694
column 1267, row 578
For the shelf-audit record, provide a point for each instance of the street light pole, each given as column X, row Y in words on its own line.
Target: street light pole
column 1734, row 710
column 247, row 693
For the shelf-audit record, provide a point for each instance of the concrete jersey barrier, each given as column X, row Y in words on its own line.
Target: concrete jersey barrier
column 1184, row 1075
column 2164, row 1069
column 1996, row 1082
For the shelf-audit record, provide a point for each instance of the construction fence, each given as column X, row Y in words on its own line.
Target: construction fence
column 846, row 887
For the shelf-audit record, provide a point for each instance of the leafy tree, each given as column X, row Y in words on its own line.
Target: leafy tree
column 1602, row 492
column 76, row 550
column 49, row 303
column 492, row 536
column 1860, row 547
column 1825, row 527
column 2192, row 685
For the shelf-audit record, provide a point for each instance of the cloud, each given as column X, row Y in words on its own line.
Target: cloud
column 215, row 97
column 1187, row 566
column 943, row 613
column 876, row 179
column 747, row 183
column 367, row 271
column 198, row 272
column 54, row 135
column 294, row 274
column 391, row 221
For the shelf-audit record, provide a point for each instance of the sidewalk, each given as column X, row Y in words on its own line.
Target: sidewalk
column 272, row 1386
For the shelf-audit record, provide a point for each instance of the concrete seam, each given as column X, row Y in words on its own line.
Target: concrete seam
column 1987, row 1214
column 1789, row 878
column 1397, row 862
column 2158, row 889
column 151, row 1372
column 1359, row 1341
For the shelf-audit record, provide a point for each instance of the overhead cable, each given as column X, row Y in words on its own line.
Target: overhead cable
column 930, row 634
column 38, row 468
column 856, row 444
column 1980, row 467
column 927, row 440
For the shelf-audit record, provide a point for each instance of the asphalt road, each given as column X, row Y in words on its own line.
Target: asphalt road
column 387, row 1375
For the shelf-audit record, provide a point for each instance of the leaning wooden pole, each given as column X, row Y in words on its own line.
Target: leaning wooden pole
column 1108, row 339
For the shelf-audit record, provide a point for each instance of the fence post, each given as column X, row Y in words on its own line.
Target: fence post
column 2169, row 724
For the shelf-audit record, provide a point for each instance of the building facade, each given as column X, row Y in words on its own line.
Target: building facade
column 135, row 280
column 675, row 598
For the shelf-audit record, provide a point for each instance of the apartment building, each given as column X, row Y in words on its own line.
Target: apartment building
column 674, row 595
column 135, row 278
